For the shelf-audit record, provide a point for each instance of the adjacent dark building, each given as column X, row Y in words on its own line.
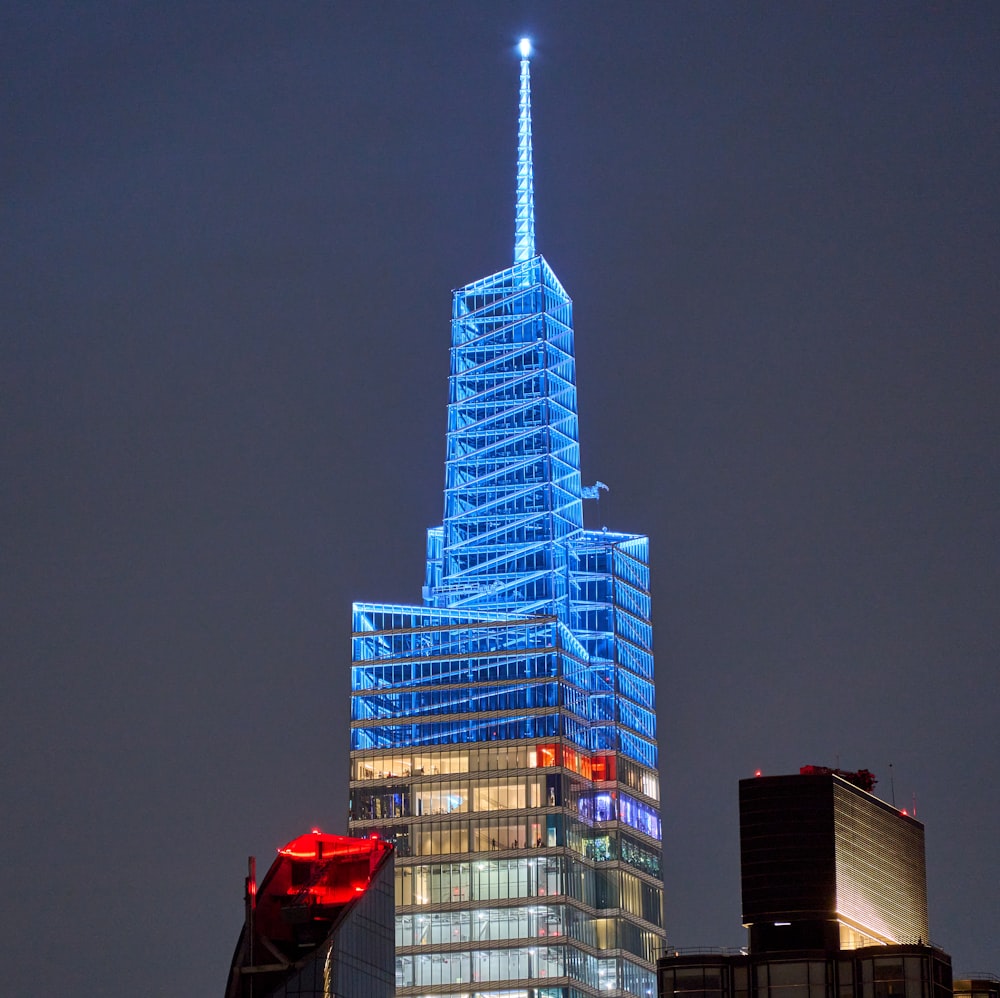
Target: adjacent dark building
column 827, row 865
column 834, row 899
column 321, row 923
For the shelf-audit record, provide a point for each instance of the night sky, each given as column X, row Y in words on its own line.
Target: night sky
column 229, row 236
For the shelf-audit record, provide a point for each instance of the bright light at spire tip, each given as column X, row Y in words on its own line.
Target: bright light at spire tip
column 524, row 47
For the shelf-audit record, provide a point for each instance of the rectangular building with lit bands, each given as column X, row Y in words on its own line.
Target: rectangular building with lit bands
column 827, row 865
column 503, row 733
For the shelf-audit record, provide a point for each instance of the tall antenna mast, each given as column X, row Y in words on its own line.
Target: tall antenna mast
column 524, row 219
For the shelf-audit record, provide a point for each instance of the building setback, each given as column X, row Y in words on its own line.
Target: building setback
column 503, row 732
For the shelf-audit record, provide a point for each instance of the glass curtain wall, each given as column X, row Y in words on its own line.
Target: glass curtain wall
column 498, row 755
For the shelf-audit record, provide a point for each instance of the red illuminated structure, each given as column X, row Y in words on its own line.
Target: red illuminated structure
column 322, row 895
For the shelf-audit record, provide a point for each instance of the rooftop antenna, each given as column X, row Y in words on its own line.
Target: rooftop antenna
column 524, row 219
column 250, row 904
column 892, row 785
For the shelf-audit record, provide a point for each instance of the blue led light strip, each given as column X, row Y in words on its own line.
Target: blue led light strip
column 524, row 222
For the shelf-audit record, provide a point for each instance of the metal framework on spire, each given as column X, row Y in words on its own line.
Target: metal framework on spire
column 512, row 475
column 513, row 715
column 524, row 221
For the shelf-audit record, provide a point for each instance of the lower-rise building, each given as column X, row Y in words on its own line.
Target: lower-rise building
column 917, row 971
column 979, row 986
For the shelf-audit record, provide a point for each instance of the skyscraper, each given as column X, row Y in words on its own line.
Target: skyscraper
column 503, row 733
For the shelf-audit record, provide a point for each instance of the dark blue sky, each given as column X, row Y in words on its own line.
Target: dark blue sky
column 230, row 232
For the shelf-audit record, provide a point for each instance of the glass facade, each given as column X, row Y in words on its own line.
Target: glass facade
column 881, row 878
column 503, row 733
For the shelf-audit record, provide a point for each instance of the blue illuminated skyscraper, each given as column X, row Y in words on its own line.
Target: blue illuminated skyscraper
column 503, row 734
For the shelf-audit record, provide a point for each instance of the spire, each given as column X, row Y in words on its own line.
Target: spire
column 524, row 221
